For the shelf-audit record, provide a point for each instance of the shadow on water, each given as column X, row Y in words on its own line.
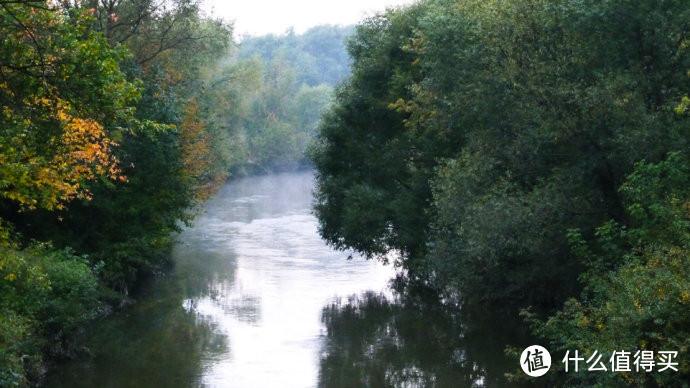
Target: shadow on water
column 378, row 341
column 240, row 307
column 244, row 307
column 158, row 342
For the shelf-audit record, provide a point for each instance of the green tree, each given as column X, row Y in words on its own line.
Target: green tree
column 57, row 131
column 273, row 110
column 571, row 111
column 472, row 135
column 97, row 156
column 370, row 193
column 636, row 288
column 156, row 148
column 318, row 55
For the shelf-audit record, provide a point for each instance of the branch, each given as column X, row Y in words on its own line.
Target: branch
column 31, row 35
column 164, row 48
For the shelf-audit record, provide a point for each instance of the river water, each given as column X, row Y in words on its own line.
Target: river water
column 256, row 299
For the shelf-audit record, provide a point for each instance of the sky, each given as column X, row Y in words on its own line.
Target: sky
column 260, row 17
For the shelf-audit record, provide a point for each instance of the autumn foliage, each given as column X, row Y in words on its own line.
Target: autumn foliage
column 100, row 160
column 79, row 151
column 198, row 157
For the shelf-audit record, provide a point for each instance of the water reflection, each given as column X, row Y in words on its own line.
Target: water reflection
column 284, row 274
column 374, row 340
column 242, row 306
column 156, row 344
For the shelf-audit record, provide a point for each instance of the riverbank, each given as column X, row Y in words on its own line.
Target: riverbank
column 242, row 304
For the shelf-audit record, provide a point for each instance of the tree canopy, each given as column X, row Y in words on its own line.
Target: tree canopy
column 118, row 118
column 286, row 83
column 483, row 145
column 102, row 153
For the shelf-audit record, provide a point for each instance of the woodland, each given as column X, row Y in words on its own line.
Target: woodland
column 119, row 118
column 521, row 155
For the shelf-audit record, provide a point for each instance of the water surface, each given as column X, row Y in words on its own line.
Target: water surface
column 256, row 299
column 242, row 306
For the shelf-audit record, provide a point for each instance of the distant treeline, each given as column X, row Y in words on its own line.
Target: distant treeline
column 118, row 118
column 318, row 56
column 525, row 153
column 287, row 82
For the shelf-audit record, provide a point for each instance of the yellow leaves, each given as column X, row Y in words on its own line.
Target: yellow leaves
column 50, row 178
column 400, row 105
column 5, row 87
column 7, row 112
column 661, row 293
column 84, row 153
column 197, row 155
column 675, row 251
column 638, row 306
column 685, row 297
column 11, row 277
column 682, row 108
column 584, row 321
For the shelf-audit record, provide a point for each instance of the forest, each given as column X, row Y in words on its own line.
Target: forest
column 119, row 119
column 528, row 156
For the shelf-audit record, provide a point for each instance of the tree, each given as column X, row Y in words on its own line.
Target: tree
column 571, row 112
column 318, row 56
column 473, row 135
column 369, row 191
column 63, row 100
column 636, row 287
column 53, row 137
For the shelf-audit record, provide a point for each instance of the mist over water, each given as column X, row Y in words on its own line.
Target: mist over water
column 256, row 299
column 243, row 305
column 283, row 276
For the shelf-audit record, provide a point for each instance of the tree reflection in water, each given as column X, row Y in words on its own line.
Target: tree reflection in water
column 159, row 341
column 375, row 341
column 156, row 344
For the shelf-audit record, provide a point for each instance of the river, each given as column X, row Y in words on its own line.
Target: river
column 256, row 299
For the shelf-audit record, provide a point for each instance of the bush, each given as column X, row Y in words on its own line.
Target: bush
column 46, row 296
column 637, row 290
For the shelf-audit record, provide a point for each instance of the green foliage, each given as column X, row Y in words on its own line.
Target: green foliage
column 60, row 93
column 318, row 55
column 102, row 153
column 45, row 296
column 473, row 135
column 127, row 224
column 496, row 147
column 570, row 114
column 637, row 288
column 282, row 119
column 270, row 100
column 226, row 103
column 371, row 185
column 157, row 139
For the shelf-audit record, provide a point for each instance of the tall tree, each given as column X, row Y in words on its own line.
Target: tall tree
column 472, row 135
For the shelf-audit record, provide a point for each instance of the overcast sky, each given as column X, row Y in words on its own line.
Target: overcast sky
column 259, row 17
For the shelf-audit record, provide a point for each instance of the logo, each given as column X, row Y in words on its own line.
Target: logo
column 535, row 361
